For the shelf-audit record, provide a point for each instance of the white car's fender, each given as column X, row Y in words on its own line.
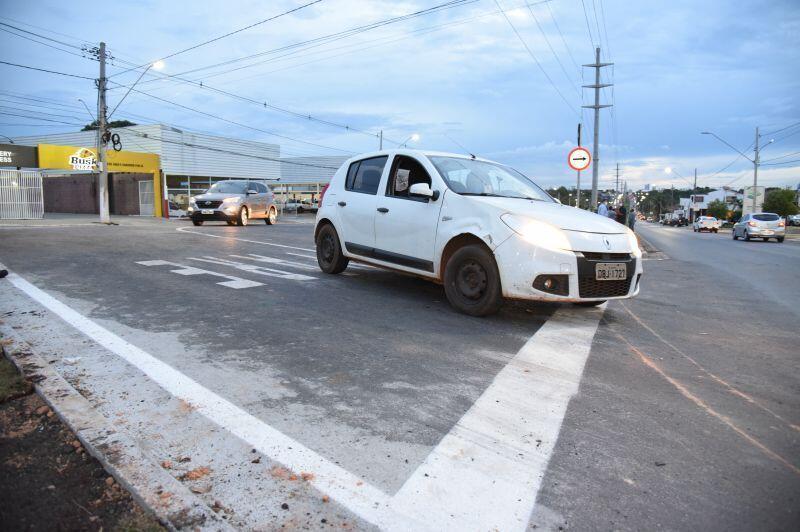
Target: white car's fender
column 462, row 216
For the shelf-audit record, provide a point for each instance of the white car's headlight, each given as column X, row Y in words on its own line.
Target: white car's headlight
column 233, row 200
column 539, row 233
column 634, row 242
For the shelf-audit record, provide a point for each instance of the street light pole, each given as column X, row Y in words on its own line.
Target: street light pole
column 755, row 173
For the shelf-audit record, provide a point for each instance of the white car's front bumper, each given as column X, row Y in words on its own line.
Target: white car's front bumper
column 524, row 267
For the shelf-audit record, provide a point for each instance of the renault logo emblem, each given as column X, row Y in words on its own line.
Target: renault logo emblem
column 607, row 242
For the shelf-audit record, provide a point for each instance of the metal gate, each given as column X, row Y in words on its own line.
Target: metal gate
column 21, row 195
column 146, row 197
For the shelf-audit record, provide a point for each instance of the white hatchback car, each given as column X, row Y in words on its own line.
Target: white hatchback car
column 482, row 229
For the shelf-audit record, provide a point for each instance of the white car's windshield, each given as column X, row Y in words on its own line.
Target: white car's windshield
column 229, row 187
column 469, row 177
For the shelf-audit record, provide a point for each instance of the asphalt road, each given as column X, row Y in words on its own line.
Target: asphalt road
column 687, row 414
column 767, row 271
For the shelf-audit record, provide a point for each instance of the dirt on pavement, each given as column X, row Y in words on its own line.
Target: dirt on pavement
column 47, row 479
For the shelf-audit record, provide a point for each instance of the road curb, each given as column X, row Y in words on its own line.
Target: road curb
column 170, row 502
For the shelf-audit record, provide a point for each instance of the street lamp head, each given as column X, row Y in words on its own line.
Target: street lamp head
column 158, row 65
column 705, row 132
column 667, row 170
column 414, row 137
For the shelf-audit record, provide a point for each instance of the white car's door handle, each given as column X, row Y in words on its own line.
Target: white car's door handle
column 342, row 204
column 383, row 209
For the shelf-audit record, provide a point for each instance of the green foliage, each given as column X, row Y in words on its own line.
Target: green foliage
column 780, row 201
column 718, row 210
column 114, row 123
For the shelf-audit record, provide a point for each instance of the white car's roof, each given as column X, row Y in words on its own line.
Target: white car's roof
column 427, row 153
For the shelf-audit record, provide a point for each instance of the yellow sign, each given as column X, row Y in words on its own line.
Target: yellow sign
column 81, row 158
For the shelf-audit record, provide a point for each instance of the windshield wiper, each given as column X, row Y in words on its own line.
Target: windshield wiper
column 490, row 194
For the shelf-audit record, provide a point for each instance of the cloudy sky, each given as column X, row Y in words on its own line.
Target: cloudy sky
column 458, row 77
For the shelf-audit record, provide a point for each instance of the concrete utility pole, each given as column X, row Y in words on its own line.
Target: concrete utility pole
column 578, row 198
column 380, row 145
column 755, row 173
column 102, row 139
column 616, row 187
column 597, row 65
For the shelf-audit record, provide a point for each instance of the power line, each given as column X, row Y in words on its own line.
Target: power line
column 45, row 70
column 227, row 34
column 220, row 150
column 780, row 157
column 605, row 28
column 564, row 70
column 588, row 26
column 555, row 23
column 37, row 118
column 41, row 36
column 525, row 44
column 324, row 39
column 11, row 32
column 233, row 121
column 784, row 162
column 781, row 129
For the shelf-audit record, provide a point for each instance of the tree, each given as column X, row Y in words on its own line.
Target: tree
column 718, row 210
column 114, row 123
column 781, row 201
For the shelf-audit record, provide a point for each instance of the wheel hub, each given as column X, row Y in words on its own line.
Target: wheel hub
column 471, row 280
column 327, row 248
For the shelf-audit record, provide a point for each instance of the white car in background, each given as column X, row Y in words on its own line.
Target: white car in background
column 482, row 229
column 706, row 223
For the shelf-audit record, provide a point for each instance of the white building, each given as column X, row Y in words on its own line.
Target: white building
column 697, row 204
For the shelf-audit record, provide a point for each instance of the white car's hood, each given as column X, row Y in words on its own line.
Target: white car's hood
column 562, row 216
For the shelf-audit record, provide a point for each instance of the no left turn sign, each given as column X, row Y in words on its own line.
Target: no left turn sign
column 579, row 159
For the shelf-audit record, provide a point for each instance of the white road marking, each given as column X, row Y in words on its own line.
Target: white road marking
column 253, row 268
column 186, row 230
column 486, row 472
column 233, row 282
column 351, row 265
column 272, row 260
column 363, row 499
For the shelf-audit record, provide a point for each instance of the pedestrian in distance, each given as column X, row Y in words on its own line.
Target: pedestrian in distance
column 602, row 209
column 622, row 215
column 631, row 219
column 612, row 212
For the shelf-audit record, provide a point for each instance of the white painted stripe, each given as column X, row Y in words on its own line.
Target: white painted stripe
column 486, row 473
column 351, row 265
column 186, row 230
column 363, row 499
column 254, row 268
column 233, row 282
column 273, row 260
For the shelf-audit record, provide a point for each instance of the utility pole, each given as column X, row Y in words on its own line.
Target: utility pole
column 578, row 198
column 380, row 146
column 597, row 65
column 102, row 139
column 616, row 187
column 692, row 214
column 755, row 173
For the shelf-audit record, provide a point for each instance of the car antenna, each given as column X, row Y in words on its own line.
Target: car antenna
column 454, row 141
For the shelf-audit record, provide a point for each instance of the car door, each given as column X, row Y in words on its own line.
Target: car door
column 357, row 203
column 263, row 198
column 405, row 225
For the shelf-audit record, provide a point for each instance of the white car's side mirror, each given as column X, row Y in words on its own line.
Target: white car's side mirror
column 423, row 189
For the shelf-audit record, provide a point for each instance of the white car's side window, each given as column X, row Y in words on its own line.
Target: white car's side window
column 365, row 176
column 406, row 171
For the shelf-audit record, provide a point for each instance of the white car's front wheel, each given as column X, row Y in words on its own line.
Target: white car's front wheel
column 472, row 281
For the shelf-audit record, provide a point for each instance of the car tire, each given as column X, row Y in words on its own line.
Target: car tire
column 330, row 256
column 733, row 234
column 300, row 210
column 272, row 217
column 197, row 222
column 243, row 218
column 780, row 239
column 589, row 303
column 230, row 222
column 746, row 236
column 472, row 281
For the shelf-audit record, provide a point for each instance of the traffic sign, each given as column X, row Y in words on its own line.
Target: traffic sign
column 579, row 159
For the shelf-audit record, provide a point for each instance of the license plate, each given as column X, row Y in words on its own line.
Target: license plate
column 768, row 231
column 610, row 271
column 207, row 211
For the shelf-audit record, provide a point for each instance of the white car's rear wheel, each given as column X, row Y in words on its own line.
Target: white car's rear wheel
column 330, row 257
